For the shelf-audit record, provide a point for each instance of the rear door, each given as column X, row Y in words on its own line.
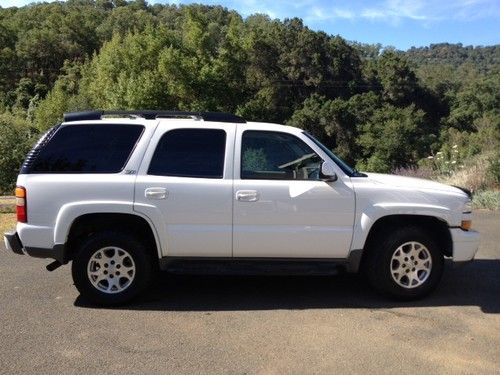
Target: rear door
column 185, row 187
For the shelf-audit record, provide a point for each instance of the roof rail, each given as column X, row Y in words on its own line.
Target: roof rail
column 152, row 114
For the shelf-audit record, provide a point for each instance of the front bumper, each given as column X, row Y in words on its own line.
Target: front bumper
column 465, row 244
column 13, row 243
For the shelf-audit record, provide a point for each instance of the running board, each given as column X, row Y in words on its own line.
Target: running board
column 210, row 266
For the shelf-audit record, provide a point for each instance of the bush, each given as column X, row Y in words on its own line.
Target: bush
column 473, row 174
column 416, row 172
column 493, row 170
column 489, row 199
column 16, row 139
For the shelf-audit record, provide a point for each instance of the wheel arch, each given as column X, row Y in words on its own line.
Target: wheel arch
column 86, row 224
column 437, row 227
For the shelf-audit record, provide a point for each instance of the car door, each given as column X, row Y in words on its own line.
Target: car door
column 282, row 208
column 184, row 187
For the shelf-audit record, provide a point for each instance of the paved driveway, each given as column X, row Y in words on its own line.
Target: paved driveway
column 254, row 324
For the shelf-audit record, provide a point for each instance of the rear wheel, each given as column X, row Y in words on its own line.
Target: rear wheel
column 111, row 268
column 405, row 263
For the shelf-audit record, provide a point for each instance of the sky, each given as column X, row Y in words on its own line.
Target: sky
column 398, row 23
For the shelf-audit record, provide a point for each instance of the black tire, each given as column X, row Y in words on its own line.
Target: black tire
column 377, row 265
column 142, row 261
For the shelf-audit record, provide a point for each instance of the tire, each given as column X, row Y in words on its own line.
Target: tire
column 391, row 270
column 112, row 268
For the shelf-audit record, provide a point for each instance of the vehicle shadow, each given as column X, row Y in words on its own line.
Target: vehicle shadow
column 476, row 284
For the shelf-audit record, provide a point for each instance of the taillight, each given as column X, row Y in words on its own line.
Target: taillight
column 22, row 213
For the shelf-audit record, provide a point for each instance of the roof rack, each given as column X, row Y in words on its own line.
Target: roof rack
column 152, row 114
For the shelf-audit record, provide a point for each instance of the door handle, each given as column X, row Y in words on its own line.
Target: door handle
column 247, row 195
column 156, row 193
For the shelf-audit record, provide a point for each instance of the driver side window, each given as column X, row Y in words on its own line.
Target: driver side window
column 267, row 155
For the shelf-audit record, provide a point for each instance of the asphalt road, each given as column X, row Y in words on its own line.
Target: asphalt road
column 201, row 324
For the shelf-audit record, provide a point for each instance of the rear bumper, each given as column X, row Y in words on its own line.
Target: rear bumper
column 13, row 243
column 465, row 244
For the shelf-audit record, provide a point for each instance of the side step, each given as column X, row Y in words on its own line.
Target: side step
column 251, row 267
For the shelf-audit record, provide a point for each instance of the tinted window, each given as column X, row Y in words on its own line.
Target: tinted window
column 190, row 153
column 101, row 148
column 277, row 156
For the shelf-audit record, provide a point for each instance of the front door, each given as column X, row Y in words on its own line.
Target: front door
column 282, row 208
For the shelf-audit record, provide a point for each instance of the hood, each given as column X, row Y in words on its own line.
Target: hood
column 411, row 182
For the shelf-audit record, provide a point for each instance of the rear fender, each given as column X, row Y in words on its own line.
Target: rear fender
column 70, row 212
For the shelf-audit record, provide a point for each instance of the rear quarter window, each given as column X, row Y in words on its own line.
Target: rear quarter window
column 103, row 148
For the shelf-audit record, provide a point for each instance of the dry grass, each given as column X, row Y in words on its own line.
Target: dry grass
column 7, row 205
column 7, row 222
column 7, row 209
column 489, row 199
column 474, row 175
column 472, row 178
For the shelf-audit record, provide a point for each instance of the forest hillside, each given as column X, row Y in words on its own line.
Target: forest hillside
column 430, row 111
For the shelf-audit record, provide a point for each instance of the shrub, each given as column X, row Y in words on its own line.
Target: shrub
column 493, row 170
column 16, row 139
column 472, row 175
column 489, row 199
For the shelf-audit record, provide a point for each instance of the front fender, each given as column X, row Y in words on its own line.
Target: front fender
column 365, row 219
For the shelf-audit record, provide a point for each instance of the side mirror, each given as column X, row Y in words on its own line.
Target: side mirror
column 328, row 172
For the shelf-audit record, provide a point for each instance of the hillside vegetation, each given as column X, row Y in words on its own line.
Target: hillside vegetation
column 434, row 108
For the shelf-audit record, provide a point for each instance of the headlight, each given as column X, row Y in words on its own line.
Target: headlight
column 467, row 207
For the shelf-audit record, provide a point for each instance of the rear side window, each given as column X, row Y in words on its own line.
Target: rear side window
column 101, row 148
column 190, row 153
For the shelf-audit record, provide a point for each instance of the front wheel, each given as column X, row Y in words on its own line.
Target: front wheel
column 405, row 264
column 111, row 268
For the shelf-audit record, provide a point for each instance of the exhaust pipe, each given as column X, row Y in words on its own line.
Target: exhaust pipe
column 53, row 266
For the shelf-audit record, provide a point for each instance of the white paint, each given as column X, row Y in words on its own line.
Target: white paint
column 204, row 217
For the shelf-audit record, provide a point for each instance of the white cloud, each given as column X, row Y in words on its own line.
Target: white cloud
column 342, row 13
column 427, row 11
column 395, row 10
column 328, row 14
column 392, row 12
column 14, row 3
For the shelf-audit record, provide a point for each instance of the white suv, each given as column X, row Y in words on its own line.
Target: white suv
column 123, row 194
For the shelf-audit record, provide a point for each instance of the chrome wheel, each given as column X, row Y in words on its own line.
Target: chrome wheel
column 411, row 265
column 111, row 270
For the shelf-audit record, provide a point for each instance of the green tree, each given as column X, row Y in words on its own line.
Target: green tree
column 398, row 80
column 393, row 138
column 16, row 138
column 337, row 123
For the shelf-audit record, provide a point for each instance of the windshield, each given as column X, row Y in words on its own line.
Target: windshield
column 342, row 164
